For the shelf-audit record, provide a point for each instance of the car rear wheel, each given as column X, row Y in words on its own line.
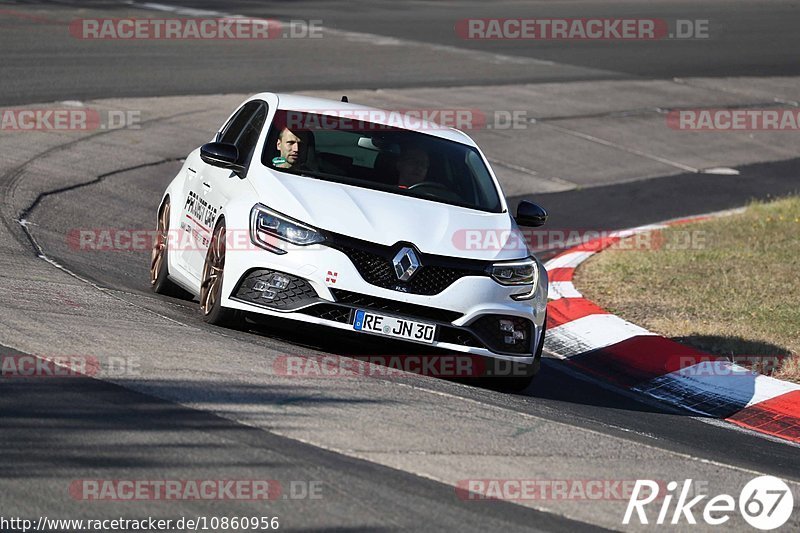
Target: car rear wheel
column 211, row 285
column 159, row 267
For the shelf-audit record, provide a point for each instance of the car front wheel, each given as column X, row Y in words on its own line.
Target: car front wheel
column 211, row 285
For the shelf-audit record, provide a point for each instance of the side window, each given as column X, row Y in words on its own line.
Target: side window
column 235, row 126
column 484, row 185
column 246, row 143
column 244, row 128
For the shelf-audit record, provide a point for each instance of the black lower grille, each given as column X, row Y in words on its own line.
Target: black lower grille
column 483, row 333
column 332, row 312
column 373, row 303
column 296, row 294
column 453, row 335
column 487, row 329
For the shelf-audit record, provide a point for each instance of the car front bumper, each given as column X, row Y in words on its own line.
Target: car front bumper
column 331, row 289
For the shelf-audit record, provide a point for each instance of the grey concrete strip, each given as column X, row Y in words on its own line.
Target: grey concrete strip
column 688, row 151
column 778, row 89
column 580, row 98
column 582, row 134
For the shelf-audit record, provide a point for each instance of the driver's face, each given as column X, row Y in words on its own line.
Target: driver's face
column 291, row 147
column 412, row 167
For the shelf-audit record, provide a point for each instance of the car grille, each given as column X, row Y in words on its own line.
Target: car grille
column 299, row 292
column 483, row 333
column 373, row 303
column 332, row 312
column 374, row 264
column 453, row 335
column 379, row 271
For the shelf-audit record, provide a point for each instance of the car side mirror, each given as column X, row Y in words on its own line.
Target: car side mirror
column 531, row 215
column 221, row 155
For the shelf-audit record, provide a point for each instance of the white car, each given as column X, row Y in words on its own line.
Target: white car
column 301, row 208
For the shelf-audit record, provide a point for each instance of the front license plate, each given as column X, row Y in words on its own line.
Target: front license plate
column 394, row 327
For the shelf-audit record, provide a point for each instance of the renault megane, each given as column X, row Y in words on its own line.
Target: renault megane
column 337, row 214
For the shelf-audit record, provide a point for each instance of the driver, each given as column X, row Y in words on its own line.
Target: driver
column 293, row 149
column 412, row 167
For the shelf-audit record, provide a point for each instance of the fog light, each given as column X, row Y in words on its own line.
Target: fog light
column 507, row 326
column 279, row 282
column 269, row 289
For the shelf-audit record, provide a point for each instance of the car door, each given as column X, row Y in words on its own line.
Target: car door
column 213, row 186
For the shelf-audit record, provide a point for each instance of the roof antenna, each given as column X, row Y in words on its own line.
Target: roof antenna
column 344, row 99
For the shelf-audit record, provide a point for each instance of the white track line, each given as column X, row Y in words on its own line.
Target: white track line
column 562, row 289
column 590, row 333
column 721, row 378
column 568, row 260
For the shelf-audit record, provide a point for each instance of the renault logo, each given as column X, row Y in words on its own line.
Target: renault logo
column 405, row 263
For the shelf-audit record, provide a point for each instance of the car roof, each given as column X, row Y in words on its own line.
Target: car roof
column 387, row 117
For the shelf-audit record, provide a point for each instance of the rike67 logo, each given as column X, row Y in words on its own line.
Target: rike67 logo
column 765, row 503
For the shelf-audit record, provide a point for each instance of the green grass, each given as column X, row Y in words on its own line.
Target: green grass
column 729, row 286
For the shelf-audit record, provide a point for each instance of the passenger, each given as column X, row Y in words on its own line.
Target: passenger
column 412, row 166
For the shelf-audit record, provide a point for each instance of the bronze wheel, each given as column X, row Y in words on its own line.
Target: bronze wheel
column 160, row 244
column 159, row 266
column 211, row 285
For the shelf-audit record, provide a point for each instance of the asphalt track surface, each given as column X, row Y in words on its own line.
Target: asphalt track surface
column 57, row 431
column 747, row 38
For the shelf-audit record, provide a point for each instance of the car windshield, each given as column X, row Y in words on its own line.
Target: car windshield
column 375, row 156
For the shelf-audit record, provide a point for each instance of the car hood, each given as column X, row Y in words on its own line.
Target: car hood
column 386, row 218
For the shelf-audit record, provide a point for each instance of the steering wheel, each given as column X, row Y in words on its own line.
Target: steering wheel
column 429, row 185
column 435, row 189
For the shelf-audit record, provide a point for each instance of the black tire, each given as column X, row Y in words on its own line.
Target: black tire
column 159, row 264
column 211, row 284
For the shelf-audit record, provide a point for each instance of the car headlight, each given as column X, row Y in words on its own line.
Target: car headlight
column 266, row 225
column 524, row 272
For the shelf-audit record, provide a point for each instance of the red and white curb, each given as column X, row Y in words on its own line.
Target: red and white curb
column 605, row 346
